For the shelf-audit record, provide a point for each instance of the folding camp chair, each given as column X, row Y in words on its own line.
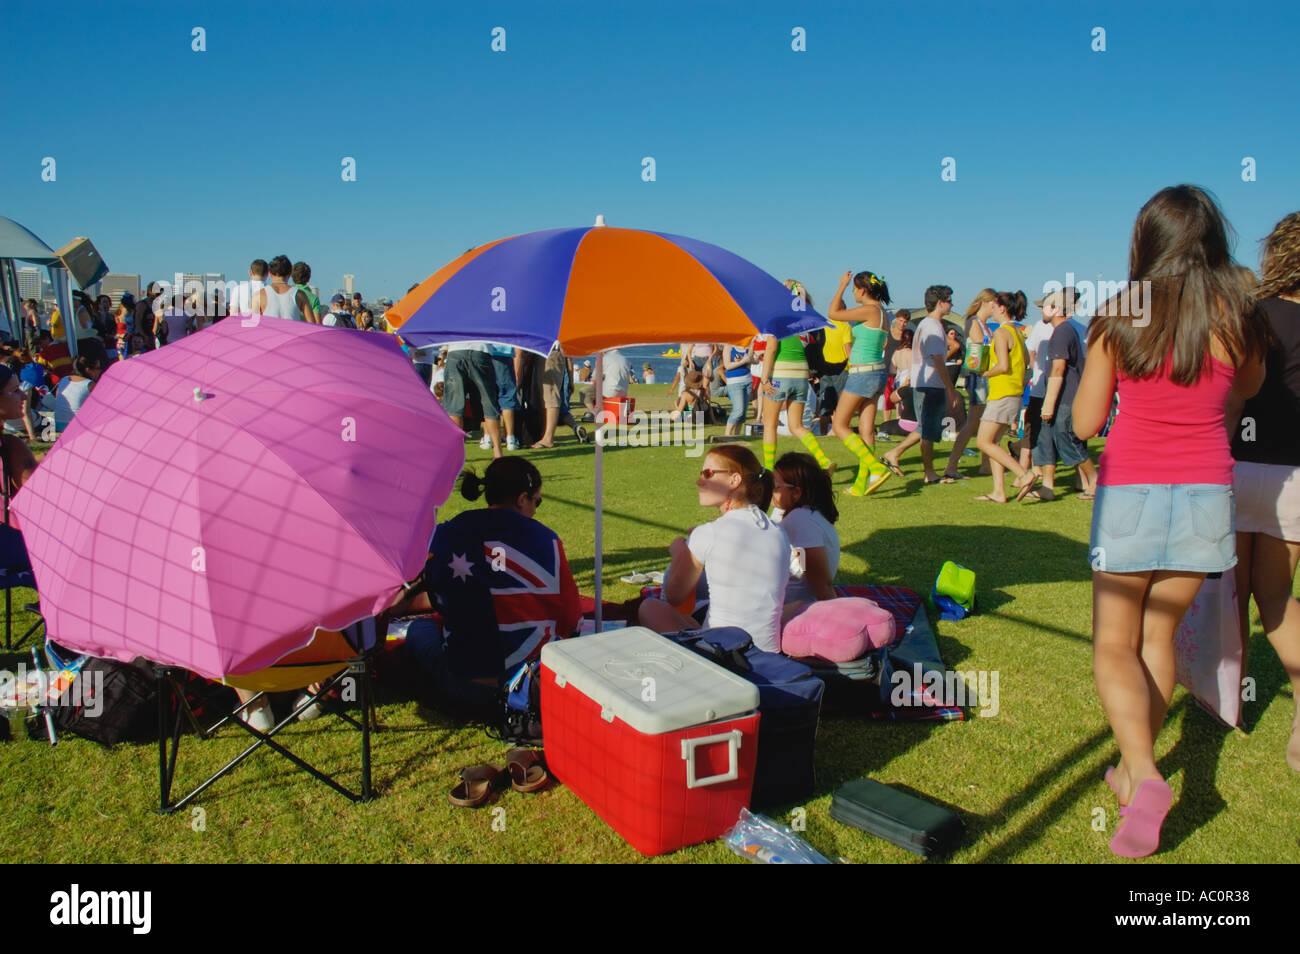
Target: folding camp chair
column 331, row 659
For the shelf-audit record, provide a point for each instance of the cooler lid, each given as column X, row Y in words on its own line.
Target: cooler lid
column 648, row 681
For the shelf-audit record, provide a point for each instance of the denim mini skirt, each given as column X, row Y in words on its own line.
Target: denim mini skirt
column 1188, row 528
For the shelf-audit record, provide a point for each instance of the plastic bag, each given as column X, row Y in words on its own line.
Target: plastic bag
column 763, row 841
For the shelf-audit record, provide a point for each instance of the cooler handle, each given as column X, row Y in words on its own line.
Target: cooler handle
column 689, row 746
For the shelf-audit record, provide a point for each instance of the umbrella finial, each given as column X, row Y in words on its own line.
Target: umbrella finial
column 600, row 221
column 198, row 394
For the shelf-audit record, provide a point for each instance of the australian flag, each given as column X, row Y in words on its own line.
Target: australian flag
column 502, row 584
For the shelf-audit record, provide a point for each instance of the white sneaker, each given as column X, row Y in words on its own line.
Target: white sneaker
column 313, row 711
column 512, row 443
column 260, row 718
column 485, row 442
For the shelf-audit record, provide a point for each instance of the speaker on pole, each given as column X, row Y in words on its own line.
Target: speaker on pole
column 83, row 262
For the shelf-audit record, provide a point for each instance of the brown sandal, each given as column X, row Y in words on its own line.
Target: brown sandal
column 477, row 785
column 527, row 770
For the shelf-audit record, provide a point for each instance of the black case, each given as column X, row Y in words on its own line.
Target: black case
column 898, row 817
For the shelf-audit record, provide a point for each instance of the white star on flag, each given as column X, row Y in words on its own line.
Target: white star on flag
column 461, row 567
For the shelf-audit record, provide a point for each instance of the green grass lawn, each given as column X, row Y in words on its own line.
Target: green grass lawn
column 1028, row 781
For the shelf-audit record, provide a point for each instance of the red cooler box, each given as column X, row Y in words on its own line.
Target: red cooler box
column 657, row 740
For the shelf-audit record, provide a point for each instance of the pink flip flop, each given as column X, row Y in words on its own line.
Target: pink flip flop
column 1138, row 834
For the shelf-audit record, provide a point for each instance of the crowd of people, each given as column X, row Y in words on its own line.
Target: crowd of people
column 1200, row 474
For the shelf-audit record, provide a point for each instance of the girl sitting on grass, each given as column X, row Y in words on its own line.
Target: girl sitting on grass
column 745, row 554
column 805, row 507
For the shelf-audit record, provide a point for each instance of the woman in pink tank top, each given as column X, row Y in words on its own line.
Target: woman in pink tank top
column 1182, row 341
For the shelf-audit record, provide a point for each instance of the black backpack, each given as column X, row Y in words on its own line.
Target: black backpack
column 109, row 702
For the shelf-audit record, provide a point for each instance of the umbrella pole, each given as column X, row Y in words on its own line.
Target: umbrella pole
column 598, row 379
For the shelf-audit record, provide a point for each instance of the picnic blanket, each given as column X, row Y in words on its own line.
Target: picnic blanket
column 914, row 645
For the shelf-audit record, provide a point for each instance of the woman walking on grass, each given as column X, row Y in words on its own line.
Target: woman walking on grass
column 977, row 386
column 1266, row 478
column 1178, row 346
column 867, row 375
column 1006, row 377
column 785, row 385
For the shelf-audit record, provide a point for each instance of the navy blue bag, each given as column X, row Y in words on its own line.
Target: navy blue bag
column 790, row 700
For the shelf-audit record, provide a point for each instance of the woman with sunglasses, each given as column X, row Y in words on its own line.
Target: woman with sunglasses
column 744, row 555
column 501, row 584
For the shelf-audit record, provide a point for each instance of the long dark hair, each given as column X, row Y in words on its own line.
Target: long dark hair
column 503, row 481
column 814, row 484
column 1182, row 248
column 756, row 483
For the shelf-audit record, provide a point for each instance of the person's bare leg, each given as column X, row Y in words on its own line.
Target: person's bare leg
column 1122, row 683
column 1167, row 600
column 927, row 460
column 662, row 617
column 990, row 433
column 907, row 443
column 1272, row 579
column 867, row 423
column 1049, row 476
column 1087, row 471
column 552, row 421
column 508, row 419
column 969, row 429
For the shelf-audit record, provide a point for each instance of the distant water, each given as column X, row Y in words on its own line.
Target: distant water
column 665, row 368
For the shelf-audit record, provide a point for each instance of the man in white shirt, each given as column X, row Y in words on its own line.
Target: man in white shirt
column 616, row 376
column 248, row 290
column 1036, row 343
column 933, row 390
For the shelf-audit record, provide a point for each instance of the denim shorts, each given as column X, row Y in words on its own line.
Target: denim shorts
column 1183, row 527
column 866, row 384
column 466, row 369
column 1056, row 439
column 503, row 367
column 929, row 404
column 790, row 389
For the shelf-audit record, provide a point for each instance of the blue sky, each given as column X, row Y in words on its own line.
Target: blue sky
column 807, row 163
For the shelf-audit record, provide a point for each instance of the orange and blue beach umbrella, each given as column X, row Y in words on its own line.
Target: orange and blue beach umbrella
column 597, row 288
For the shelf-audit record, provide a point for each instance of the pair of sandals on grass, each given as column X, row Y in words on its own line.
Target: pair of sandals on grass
column 525, row 769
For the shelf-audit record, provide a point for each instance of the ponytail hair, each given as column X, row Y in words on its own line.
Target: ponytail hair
column 1015, row 304
column 756, row 484
column 873, row 286
column 503, row 481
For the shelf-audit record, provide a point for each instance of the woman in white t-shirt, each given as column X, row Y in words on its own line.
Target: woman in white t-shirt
column 744, row 555
column 805, row 507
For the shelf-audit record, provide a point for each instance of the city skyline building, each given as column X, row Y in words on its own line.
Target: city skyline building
column 30, row 282
column 349, row 285
column 115, row 284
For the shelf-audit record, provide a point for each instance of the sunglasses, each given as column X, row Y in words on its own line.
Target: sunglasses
column 708, row 473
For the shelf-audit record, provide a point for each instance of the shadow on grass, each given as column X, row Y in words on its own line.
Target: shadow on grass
column 1001, row 556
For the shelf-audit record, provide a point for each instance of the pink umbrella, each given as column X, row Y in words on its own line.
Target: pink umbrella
column 215, row 501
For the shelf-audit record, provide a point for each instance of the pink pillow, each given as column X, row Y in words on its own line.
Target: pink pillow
column 839, row 630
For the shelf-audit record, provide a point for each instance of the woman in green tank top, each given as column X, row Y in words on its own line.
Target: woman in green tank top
column 867, row 375
column 784, row 384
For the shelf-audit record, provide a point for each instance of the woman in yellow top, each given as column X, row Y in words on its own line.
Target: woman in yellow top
column 1006, row 376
